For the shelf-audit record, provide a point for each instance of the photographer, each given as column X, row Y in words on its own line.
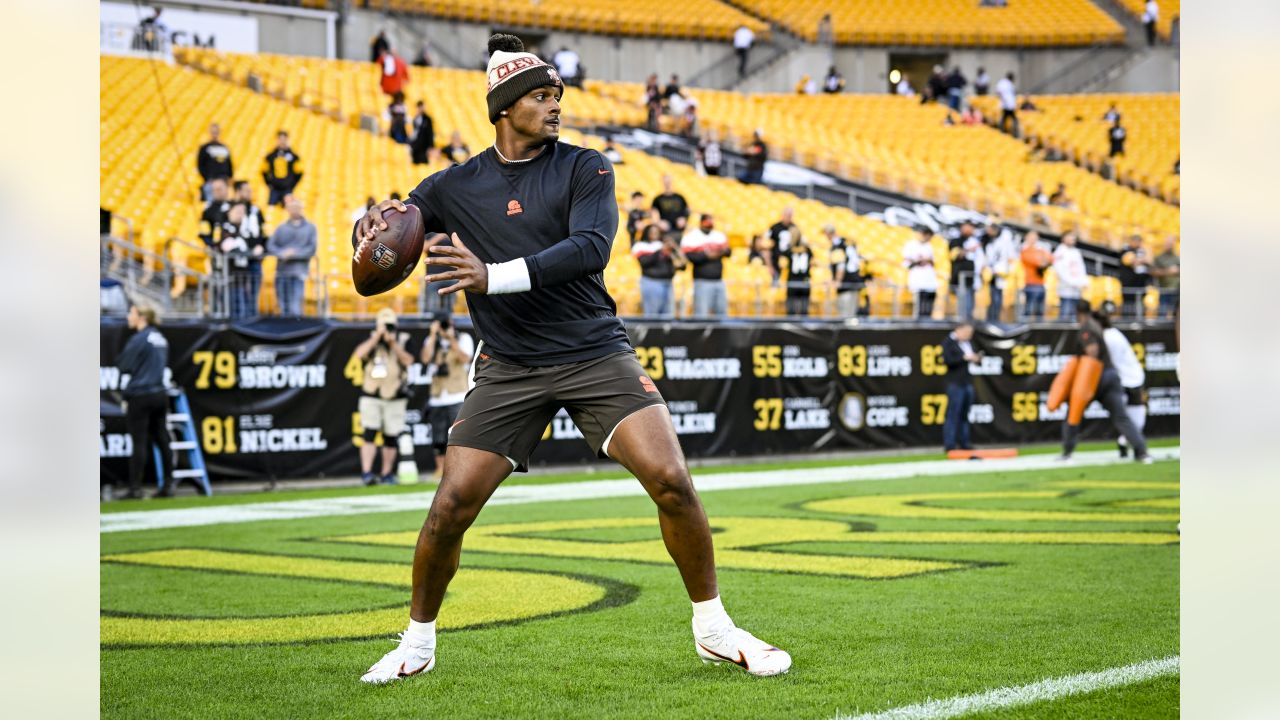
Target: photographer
column 385, row 396
column 447, row 355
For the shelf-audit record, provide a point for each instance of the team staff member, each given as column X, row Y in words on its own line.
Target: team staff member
column 281, row 170
column 447, row 354
column 1110, row 392
column 146, row 400
column 550, row 338
column 384, row 399
column 1132, row 376
column 958, row 353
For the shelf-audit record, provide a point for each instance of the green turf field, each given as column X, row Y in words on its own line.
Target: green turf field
column 887, row 593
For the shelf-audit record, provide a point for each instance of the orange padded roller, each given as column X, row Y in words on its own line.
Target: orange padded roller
column 1061, row 386
column 1085, row 386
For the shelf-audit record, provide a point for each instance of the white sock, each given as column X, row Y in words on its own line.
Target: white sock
column 709, row 616
column 422, row 634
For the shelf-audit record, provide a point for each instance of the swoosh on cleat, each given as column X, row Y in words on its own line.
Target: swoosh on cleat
column 741, row 661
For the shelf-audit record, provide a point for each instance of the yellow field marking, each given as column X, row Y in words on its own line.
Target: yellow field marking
column 911, row 506
column 1164, row 503
column 1016, row 538
column 476, row 596
column 736, row 536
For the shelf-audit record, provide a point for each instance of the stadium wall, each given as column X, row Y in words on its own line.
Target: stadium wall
column 277, row 398
column 286, row 30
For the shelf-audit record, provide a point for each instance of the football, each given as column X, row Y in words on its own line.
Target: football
column 385, row 261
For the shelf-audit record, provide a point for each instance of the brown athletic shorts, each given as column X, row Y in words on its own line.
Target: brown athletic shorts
column 510, row 406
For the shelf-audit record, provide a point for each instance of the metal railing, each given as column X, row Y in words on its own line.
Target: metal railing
column 173, row 290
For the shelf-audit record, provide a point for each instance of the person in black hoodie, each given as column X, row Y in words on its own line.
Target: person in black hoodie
column 281, row 170
column 243, row 251
column 213, row 161
column 146, row 401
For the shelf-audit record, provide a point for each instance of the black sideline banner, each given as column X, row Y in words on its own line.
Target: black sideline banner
column 277, row 399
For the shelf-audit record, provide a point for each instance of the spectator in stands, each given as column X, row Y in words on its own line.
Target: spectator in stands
column 757, row 155
column 982, row 82
column 660, row 258
column 213, row 161
column 1060, row 198
column 922, row 279
column 971, row 116
column 678, row 106
column 1116, row 135
column 395, row 73
column 652, row 101
column 243, row 255
column 146, row 399
column 397, row 118
column 1038, row 197
column 456, row 151
column 1035, row 261
column 293, row 244
column 255, row 223
column 637, row 217
column 672, row 88
column 447, row 355
column 710, row 157
column 1150, row 15
column 1112, row 115
column 826, row 34
column 846, row 273
column 936, row 90
column 957, row 355
column 281, row 170
column 949, row 120
column 1167, row 270
column 904, row 86
column 1135, row 276
column 1073, row 277
column 743, row 39
column 762, row 253
column 567, row 62
column 1027, row 105
column 383, row 400
column 151, row 33
column 705, row 248
column 806, row 86
column 799, row 259
column 834, row 82
column 781, row 233
column 956, row 83
column 672, row 207
column 378, row 45
column 967, row 262
column 1007, row 92
column 1000, row 255
column 215, row 211
column 423, row 143
column 424, row 55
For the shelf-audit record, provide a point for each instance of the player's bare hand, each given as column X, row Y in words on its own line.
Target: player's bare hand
column 470, row 273
column 372, row 223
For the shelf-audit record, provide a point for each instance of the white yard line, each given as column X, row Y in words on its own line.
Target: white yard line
column 588, row 490
column 1018, row 695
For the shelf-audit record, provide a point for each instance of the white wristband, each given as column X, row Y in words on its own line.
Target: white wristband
column 508, row 277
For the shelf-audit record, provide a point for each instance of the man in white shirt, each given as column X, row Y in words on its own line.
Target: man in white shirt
column 1007, row 92
column 1149, row 17
column 743, row 39
column 1000, row 254
column 1132, row 376
column 566, row 62
column 922, row 278
column 1073, row 278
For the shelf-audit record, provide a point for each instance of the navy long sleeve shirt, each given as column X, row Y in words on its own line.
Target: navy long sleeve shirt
column 559, row 213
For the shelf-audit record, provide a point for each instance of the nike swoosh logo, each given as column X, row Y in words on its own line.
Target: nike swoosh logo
column 402, row 673
column 742, row 660
column 603, row 172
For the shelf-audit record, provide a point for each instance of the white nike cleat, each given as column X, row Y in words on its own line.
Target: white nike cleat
column 743, row 649
column 406, row 660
